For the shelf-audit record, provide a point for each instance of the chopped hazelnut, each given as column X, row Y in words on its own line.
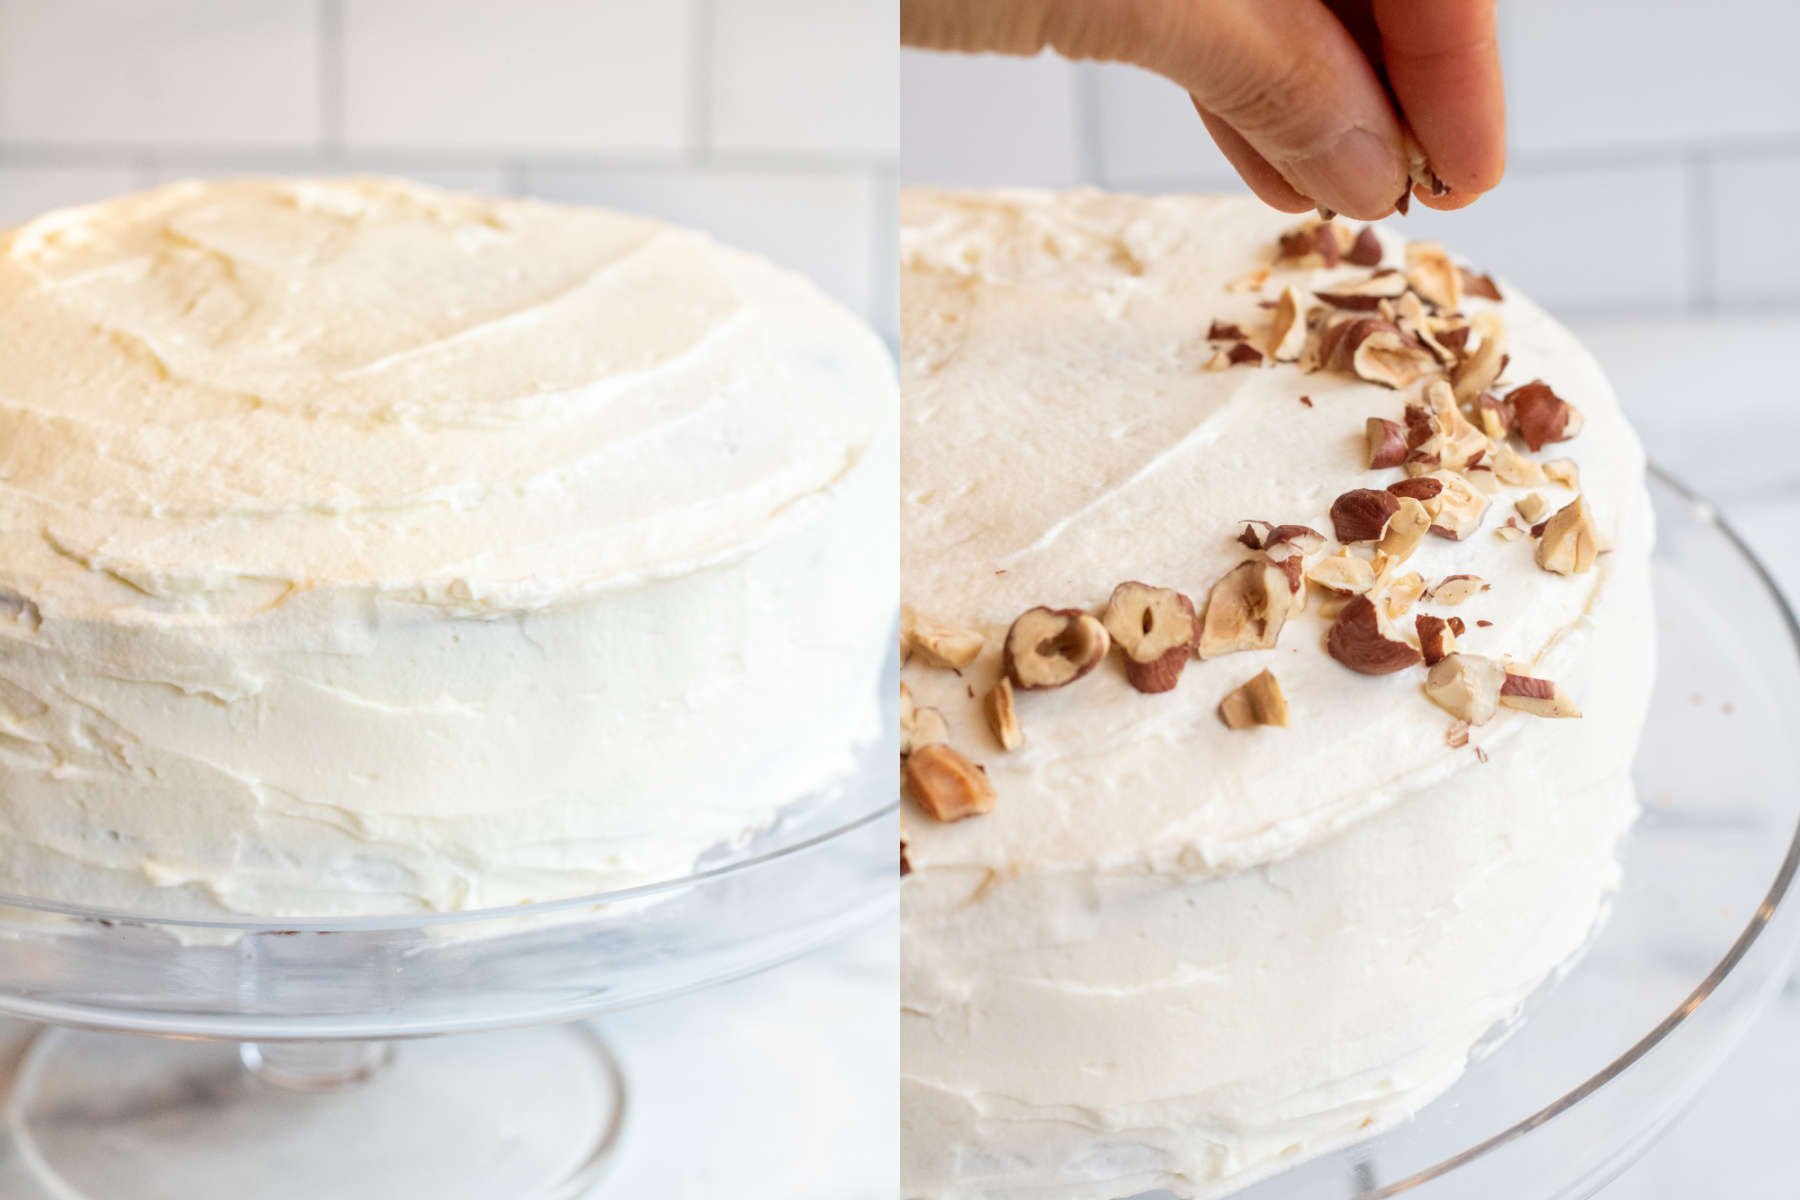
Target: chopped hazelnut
column 1405, row 530
column 1569, row 544
column 919, row 726
column 1497, row 417
column 1286, row 540
column 1467, row 686
column 1366, row 295
column 1288, row 334
column 1543, row 416
column 1457, row 510
column 1533, row 507
column 1258, row 702
column 1051, row 647
column 945, row 784
column 1435, row 639
column 1432, row 275
column 1343, row 573
column 1386, row 441
column 997, row 705
column 1483, row 479
column 1539, row 697
column 1454, row 440
column 1362, row 514
column 1246, row 609
column 1244, row 353
column 1314, row 244
column 1156, row 629
column 1453, row 590
column 1480, row 285
column 1420, row 487
column 1478, row 371
column 1514, row 469
column 1403, row 593
column 1358, row 640
column 1565, row 472
column 1365, row 251
column 936, row 643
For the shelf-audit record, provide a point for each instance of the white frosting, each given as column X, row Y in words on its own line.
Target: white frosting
column 1178, row 955
column 368, row 547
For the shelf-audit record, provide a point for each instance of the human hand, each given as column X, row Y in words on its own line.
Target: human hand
column 1292, row 91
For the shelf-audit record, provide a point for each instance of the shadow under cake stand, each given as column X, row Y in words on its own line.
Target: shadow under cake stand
column 280, row 1072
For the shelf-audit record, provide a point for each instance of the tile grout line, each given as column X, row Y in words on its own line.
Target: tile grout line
column 70, row 155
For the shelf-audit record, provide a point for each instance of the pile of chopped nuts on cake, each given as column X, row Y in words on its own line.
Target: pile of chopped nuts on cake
column 1464, row 433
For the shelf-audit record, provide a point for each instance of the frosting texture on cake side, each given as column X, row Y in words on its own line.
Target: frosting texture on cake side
column 366, row 548
column 1178, row 954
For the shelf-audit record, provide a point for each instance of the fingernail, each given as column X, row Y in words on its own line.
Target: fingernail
column 1358, row 174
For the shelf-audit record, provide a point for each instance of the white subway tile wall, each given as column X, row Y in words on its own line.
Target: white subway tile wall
column 774, row 125
column 1653, row 148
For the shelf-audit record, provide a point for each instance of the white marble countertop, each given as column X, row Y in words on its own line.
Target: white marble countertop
column 781, row 1087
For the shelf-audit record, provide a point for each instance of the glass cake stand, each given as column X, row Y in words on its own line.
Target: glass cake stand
column 1700, row 935
column 280, row 1075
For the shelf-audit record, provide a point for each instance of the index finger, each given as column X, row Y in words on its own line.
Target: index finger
column 1443, row 61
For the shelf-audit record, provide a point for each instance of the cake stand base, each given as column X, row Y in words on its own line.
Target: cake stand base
column 530, row 1114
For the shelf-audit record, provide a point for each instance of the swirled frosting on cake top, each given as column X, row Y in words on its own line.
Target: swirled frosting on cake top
column 211, row 394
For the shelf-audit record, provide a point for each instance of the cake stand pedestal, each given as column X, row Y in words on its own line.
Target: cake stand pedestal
column 107, row 1116
column 313, row 1059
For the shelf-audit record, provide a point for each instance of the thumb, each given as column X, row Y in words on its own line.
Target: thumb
column 1292, row 82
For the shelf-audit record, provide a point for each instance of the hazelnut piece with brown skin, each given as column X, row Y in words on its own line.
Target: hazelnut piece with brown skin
column 1362, row 514
column 1246, row 609
column 1053, row 647
column 1432, row 275
column 1478, row 370
column 1387, row 443
column 1543, row 416
column 1435, row 639
column 1539, row 697
column 1358, row 640
column 1405, row 530
column 1156, row 628
column 1467, row 686
column 1287, row 335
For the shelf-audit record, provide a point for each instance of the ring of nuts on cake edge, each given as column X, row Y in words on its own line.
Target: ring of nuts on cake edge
column 1466, row 431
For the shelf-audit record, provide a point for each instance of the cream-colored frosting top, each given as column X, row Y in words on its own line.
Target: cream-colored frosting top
column 214, row 394
column 1062, row 434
